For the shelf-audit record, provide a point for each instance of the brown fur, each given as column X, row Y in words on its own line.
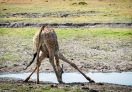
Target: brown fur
column 45, row 40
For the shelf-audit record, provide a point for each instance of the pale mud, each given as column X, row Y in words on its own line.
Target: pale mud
column 90, row 54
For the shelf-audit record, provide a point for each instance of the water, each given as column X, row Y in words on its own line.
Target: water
column 124, row 78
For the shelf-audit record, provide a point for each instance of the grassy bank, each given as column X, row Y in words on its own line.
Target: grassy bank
column 21, row 87
column 91, row 11
column 69, row 32
column 13, row 85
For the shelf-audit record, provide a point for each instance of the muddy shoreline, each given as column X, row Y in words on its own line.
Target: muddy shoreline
column 65, row 25
column 84, row 87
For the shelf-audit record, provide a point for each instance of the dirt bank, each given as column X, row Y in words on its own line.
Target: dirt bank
column 48, row 14
column 9, row 22
column 13, row 85
column 22, row 24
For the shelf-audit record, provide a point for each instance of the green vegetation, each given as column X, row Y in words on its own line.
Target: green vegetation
column 34, row 88
column 68, row 32
column 95, row 32
column 19, row 32
column 12, row 88
column 74, row 3
column 80, row 3
column 7, row 57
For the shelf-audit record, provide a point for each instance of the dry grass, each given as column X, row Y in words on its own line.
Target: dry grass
column 109, row 10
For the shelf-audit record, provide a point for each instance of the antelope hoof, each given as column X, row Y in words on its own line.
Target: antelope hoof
column 92, row 81
column 26, row 80
column 61, row 82
column 37, row 82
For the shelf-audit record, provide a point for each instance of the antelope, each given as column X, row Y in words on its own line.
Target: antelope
column 46, row 46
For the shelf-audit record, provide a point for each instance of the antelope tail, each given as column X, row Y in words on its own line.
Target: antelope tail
column 34, row 56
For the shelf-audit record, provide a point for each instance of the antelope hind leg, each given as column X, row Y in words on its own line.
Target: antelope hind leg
column 42, row 56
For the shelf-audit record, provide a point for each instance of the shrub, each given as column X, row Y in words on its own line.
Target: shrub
column 82, row 3
column 74, row 3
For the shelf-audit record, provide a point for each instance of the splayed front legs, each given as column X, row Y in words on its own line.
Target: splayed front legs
column 74, row 65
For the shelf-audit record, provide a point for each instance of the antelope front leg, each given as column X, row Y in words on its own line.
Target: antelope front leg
column 51, row 59
column 59, row 68
column 74, row 65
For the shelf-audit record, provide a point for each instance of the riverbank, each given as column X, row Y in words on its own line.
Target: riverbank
column 65, row 25
column 11, row 85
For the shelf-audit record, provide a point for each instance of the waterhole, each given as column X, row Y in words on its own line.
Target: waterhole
column 124, row 78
